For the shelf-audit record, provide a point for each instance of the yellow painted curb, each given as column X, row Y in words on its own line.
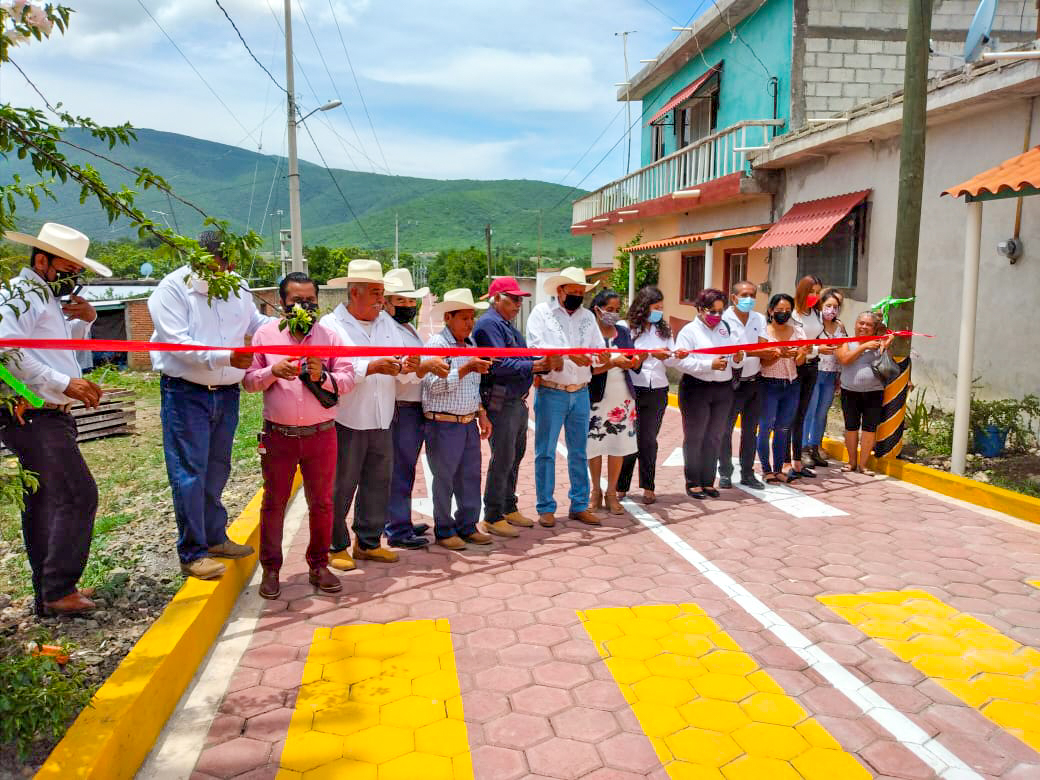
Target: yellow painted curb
column 112, row 737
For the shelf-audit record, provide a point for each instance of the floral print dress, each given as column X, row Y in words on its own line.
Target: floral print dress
column 612, row 421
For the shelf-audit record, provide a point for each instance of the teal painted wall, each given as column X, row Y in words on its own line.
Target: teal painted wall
column 744, row 86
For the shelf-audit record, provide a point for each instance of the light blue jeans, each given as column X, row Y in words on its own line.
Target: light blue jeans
column 819, row 405
column 553, row 410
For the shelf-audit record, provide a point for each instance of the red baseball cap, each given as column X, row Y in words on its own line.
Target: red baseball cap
column 508, row 285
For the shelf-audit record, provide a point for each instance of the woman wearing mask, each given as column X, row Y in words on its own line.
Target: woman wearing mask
column 705, row 392
column 781, row 385
column 650, row 332
column 806, row 315
column 861, row 389
column 826, row 377
column 612, row 417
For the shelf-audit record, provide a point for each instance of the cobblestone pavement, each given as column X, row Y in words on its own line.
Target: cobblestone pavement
column 852, row 628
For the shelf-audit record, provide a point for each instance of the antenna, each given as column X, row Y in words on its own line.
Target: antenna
column 978, row 33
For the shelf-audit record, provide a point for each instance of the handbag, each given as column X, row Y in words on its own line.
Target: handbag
column 885, row 367
column 327, row 398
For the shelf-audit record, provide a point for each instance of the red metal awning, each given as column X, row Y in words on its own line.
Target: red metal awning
column 1019, row 175
column 685, row 93
column 694, row 238
column 809, row 222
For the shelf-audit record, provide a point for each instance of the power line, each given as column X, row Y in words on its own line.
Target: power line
column 735, row 34
column 336, row 183
column 246, row 45
column 663, row 13
column 196, row 70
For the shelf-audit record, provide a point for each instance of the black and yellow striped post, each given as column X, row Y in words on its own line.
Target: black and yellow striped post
column 889, row 441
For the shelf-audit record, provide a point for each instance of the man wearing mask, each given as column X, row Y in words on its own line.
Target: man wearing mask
column 401, row 302
column 58, row 518
column 300, row 399
column 365, row 443
column 504, row 392
column 199, row 404
column 562, row 401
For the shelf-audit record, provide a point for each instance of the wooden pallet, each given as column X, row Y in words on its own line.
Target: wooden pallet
column 114, row 416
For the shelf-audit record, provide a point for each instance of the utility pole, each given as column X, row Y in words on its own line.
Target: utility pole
column 397, row 242
column 628, row 104
column 911, row 168
column 487, row 236
column 295, row 227
column 539, row 261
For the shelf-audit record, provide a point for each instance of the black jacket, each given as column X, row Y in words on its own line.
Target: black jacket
column 598, row 385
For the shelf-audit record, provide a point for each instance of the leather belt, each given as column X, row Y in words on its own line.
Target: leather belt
column 564, row 388
column 211, row 388
column 57, row 407
column 298, row 431
column 410, row 403
column 452, row 418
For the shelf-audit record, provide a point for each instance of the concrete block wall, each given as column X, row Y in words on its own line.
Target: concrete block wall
column 853, row 50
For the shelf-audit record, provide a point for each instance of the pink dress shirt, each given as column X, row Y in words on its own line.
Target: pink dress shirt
column 783, row 368
column 289, row 402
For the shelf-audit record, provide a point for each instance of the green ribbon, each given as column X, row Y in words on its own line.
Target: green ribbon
column 887, row 303
column 19, row 387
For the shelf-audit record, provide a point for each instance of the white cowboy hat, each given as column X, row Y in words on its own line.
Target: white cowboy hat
column 64, row 242
column 361, row 272
column 454, row 300
column 571, row 275
column 398, row 281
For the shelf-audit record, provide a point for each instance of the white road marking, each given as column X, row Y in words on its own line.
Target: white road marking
column 913, row 738
column 675, row 459
column 793, row 502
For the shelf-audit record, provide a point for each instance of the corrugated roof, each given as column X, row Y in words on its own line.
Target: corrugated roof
column 809, row 222
column 1014, row 175
column 685, row 93
column 694, row 238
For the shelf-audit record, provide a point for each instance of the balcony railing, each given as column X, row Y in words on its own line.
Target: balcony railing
column 712, row 157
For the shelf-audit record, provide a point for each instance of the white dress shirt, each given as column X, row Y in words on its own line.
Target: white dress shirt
column 551, row 325
column 697, row 335
column 372, row 403
column 183, row 314
column 653, row 374
column 409, row 386
column 812, row 325
column 45, row 371
column 748, row 333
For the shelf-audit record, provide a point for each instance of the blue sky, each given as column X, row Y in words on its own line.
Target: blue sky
column 455, row 89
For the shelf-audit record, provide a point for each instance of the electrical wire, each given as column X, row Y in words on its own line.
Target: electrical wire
column 246, row 45
column 338, row 188
column 737, row 35
column 659, row 10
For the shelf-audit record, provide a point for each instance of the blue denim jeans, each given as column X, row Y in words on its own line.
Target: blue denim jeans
column 409, row 432
column 198, row 432
column 779, row 404
column 819, row 405
column 553, row 410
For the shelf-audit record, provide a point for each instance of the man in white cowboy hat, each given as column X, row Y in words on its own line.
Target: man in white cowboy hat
column 58, row 518
column 365, row 461
column 562, row 400
column 199, row 404
column 400, row 302
column 455, row 424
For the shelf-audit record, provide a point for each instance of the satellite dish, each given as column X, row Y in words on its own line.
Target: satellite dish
column 146, row 270
column 978, row 33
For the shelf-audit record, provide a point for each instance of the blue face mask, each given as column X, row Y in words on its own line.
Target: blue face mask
column 655, row 316
column 745, row 304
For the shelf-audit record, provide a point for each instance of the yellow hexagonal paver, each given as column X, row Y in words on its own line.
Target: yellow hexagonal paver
column 823, row 764
column 380, row 690
column 379, row 744
column 311, row 750
column 635, row 648
column 724, row 641
column 601, row 631
column 382, row 647
column 344, row 769
column 446, row 738
column 413, row 766
column 816, row 735
column 987, row 639
column 932, row 626
column 436, row 685
column 407, row 629
column 463, row 766
column 759, row 768
column 999, row 662
column 728, row 687
column 410, row 666
column 327, row 651
column 699, row 746
column 683, row 667
column 771, row 741
column 646, row 627
column 928, row 644
column 681, row 770
column 627, row 670
column 944, row 667
column 346, row 718
column 662, row 612
column 774, row 708
column 1001, row 686
column 714, row 714
column 885, row 612
column 886, row 629
column 694, row 624
column 352, row 670
column 729, row 662
column 1016, row 715
column 663, row 690
column 695, row 645
column 288, row 774
column 763, row 682
column 321, row 694
column 658, row 720
column 357, row 632
column 412, row 712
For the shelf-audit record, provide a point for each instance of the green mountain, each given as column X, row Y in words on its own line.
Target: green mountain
column 242, row 186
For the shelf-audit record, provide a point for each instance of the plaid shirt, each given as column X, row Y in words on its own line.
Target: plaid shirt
column 451, row 395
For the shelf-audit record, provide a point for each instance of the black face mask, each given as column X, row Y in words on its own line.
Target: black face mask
column 65, row 283
column 299, row 328
column 404, row 314
column 781, row 317
column 573, row 302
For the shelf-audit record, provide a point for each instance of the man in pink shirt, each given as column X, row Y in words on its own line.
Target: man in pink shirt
column 300, row 398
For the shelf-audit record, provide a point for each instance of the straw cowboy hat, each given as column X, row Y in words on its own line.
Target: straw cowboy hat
column 571, row 275
column 360, row 272
column 64, row 242
column 399, row 282
column 454, row 300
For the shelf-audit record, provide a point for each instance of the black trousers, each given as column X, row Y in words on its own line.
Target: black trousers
column 650, row 407
column 705, row 411
column 747, row 403
column 807, row 373
column 508, row 446
column 58, row 519
column 365, row 460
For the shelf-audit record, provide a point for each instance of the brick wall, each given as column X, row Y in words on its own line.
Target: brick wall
column 853, row 50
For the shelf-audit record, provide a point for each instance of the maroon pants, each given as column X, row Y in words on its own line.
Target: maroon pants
column 316, row 457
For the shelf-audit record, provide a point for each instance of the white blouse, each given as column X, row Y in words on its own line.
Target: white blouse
column 697, row 335
column 653, row 374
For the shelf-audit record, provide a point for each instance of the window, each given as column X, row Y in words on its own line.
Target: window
column 692, row 277
column 735, row 268
column 697, row 117
column 836, row 259
column 657, row 140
